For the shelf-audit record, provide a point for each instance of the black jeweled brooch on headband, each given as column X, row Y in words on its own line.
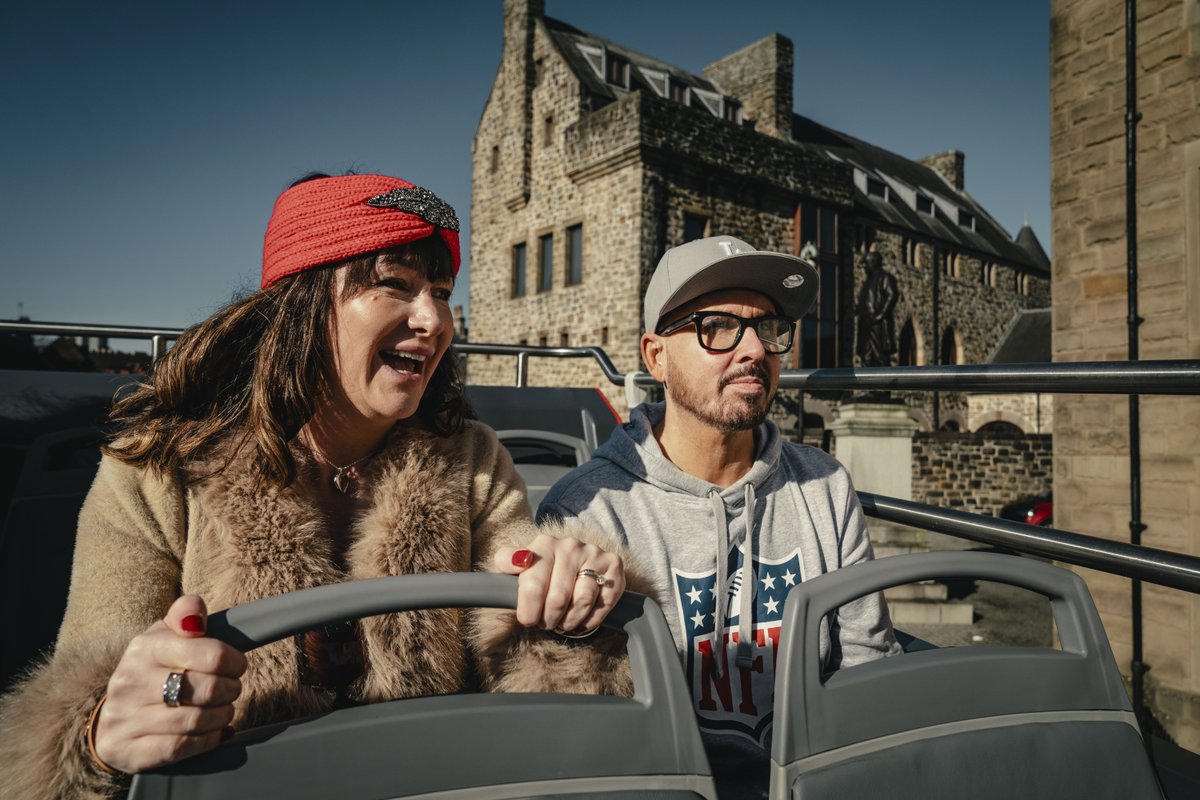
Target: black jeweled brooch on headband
column 422, row 202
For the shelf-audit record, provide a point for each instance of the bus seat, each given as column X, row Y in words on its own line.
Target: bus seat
column 979, row 722
column 455, row 746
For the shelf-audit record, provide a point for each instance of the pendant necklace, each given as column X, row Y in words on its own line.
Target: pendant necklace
column 341, row 480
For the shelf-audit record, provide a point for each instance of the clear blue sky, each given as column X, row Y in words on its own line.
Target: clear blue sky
column 143, row 144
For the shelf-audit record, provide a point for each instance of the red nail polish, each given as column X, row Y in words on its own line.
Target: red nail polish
column 522, row 558
column 192, row 623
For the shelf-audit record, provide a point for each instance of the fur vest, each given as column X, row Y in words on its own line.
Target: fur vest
column 431, row 504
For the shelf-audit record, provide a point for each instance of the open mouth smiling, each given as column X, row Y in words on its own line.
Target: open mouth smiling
column 405, row 363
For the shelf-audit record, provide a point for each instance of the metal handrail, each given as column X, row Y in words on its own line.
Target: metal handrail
column 1164, row 377
column 1139, row 562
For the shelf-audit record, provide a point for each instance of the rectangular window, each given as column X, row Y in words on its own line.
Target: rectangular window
column 548, row 131
column 732, row 109
column 819, row 341
column 617, row 71
column 518, row 270
column 695, row 227
column 876, row 187
column 828, row 231
column 546, row 262
column 564, row 339
column 679, row 92
column 924, row 204
column 575, row 254
column 966, row 219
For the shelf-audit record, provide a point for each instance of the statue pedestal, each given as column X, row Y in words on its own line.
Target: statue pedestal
column 874, row 442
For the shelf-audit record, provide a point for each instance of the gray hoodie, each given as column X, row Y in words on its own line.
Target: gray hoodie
column 806, row 520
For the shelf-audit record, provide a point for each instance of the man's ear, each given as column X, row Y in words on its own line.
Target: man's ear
column 654, row 355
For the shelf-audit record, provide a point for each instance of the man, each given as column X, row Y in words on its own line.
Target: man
column 723, row 514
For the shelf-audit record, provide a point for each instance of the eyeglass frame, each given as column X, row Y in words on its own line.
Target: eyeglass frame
column 743, row 323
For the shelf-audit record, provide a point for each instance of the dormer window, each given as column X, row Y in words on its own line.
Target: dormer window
column 616, row 71
column 679, row 92
column 732, row 110
column 876, row 188
column 966, row 219
column 925, row 204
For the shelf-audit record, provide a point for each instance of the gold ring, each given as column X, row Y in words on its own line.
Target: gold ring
column 596, row 576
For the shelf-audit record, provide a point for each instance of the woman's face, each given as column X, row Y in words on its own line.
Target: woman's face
column 388, row 339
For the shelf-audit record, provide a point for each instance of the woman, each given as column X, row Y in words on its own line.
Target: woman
column 313, row 432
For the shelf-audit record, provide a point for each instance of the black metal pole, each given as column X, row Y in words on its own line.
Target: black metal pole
column 937, row 335
column 1138, row 667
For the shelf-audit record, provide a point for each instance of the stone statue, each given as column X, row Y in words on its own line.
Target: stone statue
column 876, row 314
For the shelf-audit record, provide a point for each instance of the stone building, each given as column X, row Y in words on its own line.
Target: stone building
column 590, row 160
column 1091, row 437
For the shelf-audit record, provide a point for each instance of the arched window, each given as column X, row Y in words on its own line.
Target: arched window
column 1001, row 428
column 910, row 355
column 951, row 347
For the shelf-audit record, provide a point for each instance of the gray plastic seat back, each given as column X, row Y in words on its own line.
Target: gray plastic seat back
column 469, row 746
column 980, row 722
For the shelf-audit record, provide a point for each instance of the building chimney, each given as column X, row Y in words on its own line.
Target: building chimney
column 520, row 19
column 760, row 77
column 950, row 165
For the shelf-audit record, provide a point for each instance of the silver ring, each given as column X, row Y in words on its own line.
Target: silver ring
column 171, row 689
column 596, row 576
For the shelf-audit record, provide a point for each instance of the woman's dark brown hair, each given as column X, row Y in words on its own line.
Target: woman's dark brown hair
column 253, row 371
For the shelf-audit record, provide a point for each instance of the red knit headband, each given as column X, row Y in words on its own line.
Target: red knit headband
column 327, row 220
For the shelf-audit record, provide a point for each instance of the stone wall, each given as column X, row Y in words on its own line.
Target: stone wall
column 977, row 472
column 1087, row 95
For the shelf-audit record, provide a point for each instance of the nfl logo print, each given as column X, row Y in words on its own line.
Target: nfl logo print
column 731, row 699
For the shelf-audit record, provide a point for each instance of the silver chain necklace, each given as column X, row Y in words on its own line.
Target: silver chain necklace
column 341, row 481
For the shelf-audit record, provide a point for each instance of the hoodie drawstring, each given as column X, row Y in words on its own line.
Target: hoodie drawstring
column 745, row 648
column 745, row 645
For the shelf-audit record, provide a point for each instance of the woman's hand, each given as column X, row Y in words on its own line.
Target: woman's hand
column 557, row 588
column 137, row 730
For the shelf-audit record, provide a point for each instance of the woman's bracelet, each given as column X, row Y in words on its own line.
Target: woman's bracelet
column 89, row 736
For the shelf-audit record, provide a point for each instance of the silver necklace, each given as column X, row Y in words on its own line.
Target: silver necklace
column 341, row 481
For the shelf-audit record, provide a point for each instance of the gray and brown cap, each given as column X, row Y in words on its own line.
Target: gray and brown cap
column 723, row 262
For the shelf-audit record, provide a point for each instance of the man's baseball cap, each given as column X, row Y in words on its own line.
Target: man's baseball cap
column 723, row 262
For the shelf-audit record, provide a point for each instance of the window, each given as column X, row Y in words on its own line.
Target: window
column 539, row 66
column 617, row 71
column 495, row 165
column 574, row 254
column 548, row 131
column 543, row 340
column 909, row 352
column 819, row 225
column 679, row 92
column 695, row 226
column 876, row 187
column 950, row 347
column 518, row 270
column 819, row 345
column 564, row 339
column 546, row 262
column 733, row 110
column 966, row 219
column 604, row 335
column 924, row 204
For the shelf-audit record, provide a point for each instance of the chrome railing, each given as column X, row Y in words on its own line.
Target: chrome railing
column 1181, row 377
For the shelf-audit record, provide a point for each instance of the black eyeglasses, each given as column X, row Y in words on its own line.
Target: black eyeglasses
column 720, row 332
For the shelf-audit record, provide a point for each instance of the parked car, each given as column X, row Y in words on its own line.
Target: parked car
column 1032, row 510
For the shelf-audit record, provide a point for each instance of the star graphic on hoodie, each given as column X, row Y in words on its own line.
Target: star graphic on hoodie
column 768, row 582
column 771, row 606
column 789, row 578
column 698, row 620
column 694, row 595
